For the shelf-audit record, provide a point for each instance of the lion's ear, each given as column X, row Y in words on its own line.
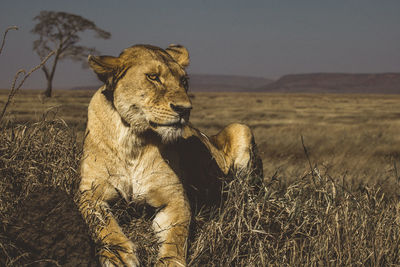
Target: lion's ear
column 104, row 66
column 179, row 54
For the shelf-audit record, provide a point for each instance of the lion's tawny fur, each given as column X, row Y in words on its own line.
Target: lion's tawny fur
column 137, row 134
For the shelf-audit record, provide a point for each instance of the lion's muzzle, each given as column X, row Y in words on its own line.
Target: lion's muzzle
column 183, row 111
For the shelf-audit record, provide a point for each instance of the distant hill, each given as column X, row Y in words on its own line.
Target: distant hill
column 225, row 83
column 382, row 83
column 218, row 83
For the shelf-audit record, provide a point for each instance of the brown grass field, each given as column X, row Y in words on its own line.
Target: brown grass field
column 332, row 199
column 353, row 137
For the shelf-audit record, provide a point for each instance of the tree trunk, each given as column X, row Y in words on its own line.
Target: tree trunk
column 49, row 88
column 50, row 76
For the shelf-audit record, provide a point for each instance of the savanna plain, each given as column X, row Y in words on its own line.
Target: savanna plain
column 330, row 196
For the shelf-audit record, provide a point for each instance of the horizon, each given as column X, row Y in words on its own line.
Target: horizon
column 260, row 39
column 98, row 84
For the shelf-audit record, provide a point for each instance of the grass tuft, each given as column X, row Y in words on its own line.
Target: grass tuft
column 305, row 223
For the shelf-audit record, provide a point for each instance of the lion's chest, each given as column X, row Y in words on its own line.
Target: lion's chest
column 144, row 173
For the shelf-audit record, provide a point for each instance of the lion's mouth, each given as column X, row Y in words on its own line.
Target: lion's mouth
column 177, row 124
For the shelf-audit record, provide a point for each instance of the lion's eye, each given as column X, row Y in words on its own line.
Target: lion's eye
column 153, row 77
column 185, row 83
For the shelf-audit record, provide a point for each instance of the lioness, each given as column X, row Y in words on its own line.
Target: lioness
column 139, row 145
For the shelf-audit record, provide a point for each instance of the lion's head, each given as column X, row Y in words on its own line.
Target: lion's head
column 148, row 86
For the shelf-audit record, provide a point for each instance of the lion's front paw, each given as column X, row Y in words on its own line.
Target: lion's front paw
column 122, row 256
column 170, row 262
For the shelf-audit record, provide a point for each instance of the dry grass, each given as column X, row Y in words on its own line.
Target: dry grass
column 354, row 137
column 344, row 210
column 40, row 224
column 313, row 221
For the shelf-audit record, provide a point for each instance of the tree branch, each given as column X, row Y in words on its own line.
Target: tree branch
column 46, row 72
column 16, row 86
column 58, row 52
column 4, row 36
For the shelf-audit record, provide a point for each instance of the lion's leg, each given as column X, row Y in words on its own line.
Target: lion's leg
column 236, row 142
column 117, row 249
column 171, row 224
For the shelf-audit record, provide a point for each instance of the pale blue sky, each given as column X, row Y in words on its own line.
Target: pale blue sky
column 258, row 38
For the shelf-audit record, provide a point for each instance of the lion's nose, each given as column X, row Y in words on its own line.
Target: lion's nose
column 182, row 110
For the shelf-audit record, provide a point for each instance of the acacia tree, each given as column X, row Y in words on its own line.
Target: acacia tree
column 58, row 31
